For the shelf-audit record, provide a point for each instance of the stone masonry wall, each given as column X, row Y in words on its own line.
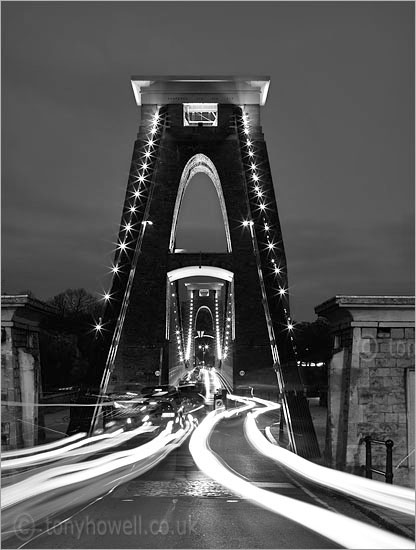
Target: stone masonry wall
column 380, row 360
column 20, row 341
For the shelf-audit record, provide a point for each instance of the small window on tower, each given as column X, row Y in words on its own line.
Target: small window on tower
column 200, row 114
column 204, row 292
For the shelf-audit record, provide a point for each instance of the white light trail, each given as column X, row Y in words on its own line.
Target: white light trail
column 347, row 532
column 393, row 497
column 62, row 477
column 94, row 444
column 41, row 448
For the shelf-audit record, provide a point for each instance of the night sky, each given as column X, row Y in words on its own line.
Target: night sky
column 338, row 124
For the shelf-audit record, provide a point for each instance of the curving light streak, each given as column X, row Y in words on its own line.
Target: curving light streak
column 62, row 477
column 41, row 448
column 94, row 444
column 215, row 380
column 52, row 454
column 83, row 491
column 347, row 532
column 224, row 381
column 393, row 497
column 208, row 393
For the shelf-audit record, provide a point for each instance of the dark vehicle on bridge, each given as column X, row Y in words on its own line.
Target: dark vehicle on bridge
column 153, row 412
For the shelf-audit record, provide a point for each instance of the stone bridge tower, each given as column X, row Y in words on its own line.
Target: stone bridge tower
column 211, row 125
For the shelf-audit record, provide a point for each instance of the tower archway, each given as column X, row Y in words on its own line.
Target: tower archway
column 199, row 163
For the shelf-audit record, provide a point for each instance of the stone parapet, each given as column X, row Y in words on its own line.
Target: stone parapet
column 371, row 382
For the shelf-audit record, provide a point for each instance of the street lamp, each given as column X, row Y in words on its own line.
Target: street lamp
column 204, row 348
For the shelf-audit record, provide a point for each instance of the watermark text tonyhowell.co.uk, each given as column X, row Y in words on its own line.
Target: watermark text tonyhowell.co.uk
column 133, row 526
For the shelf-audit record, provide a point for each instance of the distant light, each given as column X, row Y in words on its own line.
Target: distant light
column 245, row 223
column 262, row 206
column 290, row 326
column 106, row 296
column 270, row 246
column 132, row 209
column 277, row 270
column 115, row 269
column 282, row 291
column 127, row 227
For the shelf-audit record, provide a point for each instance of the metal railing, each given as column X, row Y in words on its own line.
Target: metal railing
column 369, row 470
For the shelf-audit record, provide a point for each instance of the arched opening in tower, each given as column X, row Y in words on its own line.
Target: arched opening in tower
column 200, row 226
column 204, row 335
column 200, row 325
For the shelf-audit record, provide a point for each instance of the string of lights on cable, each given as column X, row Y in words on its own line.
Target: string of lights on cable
column 178, row 329
column 131, row 224
column 190, row 328
column 227, row 334
column 270, row 243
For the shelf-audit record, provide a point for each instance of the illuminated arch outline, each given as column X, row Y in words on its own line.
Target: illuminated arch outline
column 199, row 163
column 203, row 270
column 212, row 318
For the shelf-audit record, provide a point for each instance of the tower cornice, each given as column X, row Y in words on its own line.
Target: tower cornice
column 238, row 90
